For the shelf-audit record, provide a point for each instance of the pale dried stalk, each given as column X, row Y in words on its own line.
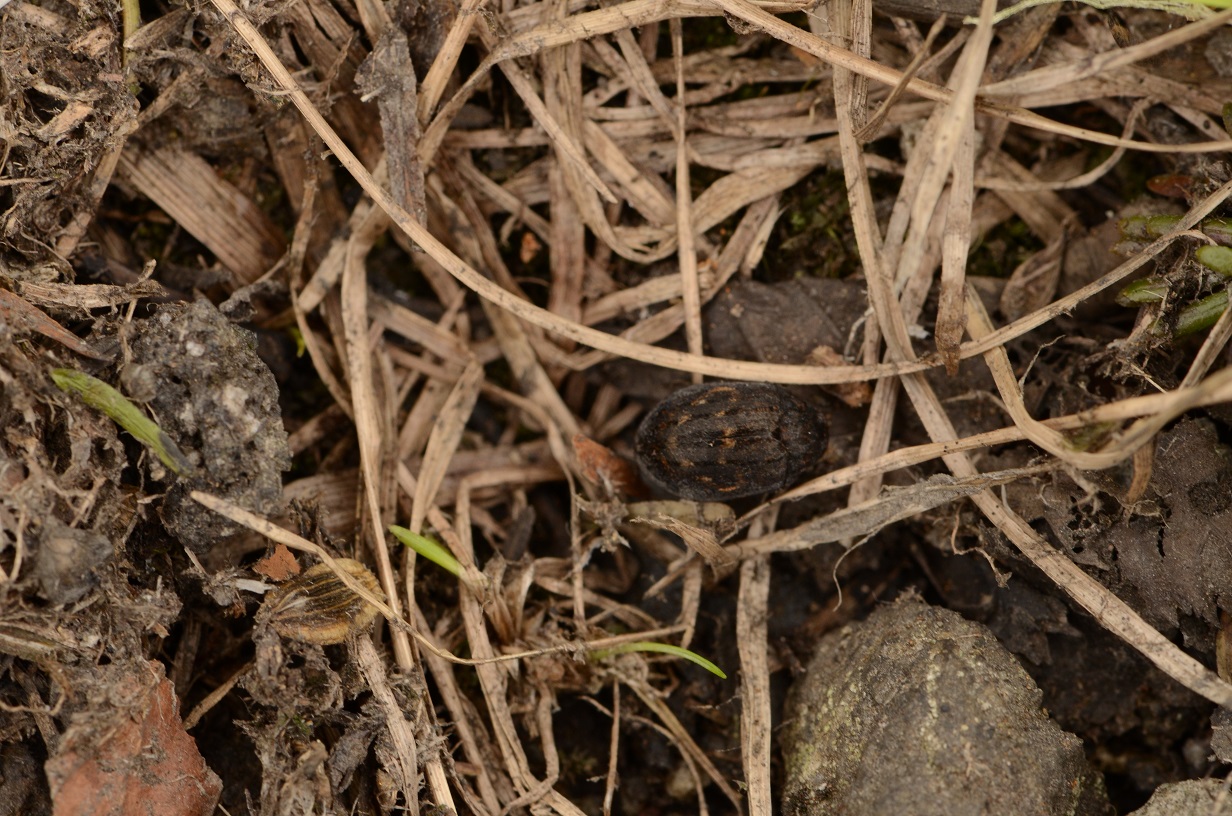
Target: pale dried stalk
column 494, row 683
column 212, row 210
column 369, row 425
column 472, row 741
column 1209, row 392
column 366, row 219
column 691, row 600
column 947, row 127
column 524, row 87
column 1116, row 451
column 640, row 192
column 1109, row 610
column 684, row 211
column 454, row 413
column 400, row 320
column 755, row 224
column 1079, row 181
column 403, row 768
column 1052, row 76
column 823, row 50
column 446, row 59
column 951, row 317
column 752, row 615
column 562, row 91
column 100, row 181
column 894, row 504
column 613, row 753
column 878, row 426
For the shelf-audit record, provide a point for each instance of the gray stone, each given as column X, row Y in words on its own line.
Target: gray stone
column 919, row 712
column 1207, row 797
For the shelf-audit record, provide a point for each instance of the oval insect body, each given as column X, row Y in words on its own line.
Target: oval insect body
column 727, row 440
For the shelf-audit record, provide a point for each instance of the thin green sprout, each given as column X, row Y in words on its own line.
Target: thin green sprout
column 664, row 648
column 429, row 549
column 437, row 554
column 100, row 395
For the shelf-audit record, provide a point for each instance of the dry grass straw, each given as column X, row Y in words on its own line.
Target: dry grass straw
column 243, row 237
column 604, row 160
column 756, row 711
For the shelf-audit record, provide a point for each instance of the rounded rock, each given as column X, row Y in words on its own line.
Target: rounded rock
column 1207, row 797
column 919, row 712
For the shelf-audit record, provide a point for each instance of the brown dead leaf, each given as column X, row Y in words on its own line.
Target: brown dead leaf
column 1173, row 185
column 87, row 295
column 700, row 540
column 804, row 57
column 601, row 466
column 855, row 394
column 278, row 565
column 531, row 247
column 208, row 207
column 17, row 312
column 139, row 761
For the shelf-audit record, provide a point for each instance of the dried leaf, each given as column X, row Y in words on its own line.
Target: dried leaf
column 602, row 466
column 18, row 313
column 141, row 761
column 278, row 565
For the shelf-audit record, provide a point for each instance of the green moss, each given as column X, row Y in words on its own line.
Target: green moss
column 1090, row 437
column 813, row 237
column 1003, row 249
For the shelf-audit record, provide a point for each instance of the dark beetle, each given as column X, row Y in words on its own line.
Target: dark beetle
column 726, row 440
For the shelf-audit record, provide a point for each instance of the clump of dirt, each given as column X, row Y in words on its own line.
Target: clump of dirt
column 78, row 610
column 76, row 616
column 1157, row 552
column 201, row 376
column 65, row 104
column 63, row 507
column 1206, row 796
column 935, row 697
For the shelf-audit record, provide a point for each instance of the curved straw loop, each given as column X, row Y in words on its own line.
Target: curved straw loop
column 1053, row 441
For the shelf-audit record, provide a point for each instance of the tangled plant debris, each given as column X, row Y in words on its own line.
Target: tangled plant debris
column 282, row 286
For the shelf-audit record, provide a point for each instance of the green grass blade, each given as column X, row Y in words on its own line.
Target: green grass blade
column 1216, row 258
column 437, row 554
column 428, row 548
column 1201, row 314
column 100, row 395
column 664, row 648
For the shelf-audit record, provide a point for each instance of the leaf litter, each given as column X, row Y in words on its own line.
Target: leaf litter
column 562, row 162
